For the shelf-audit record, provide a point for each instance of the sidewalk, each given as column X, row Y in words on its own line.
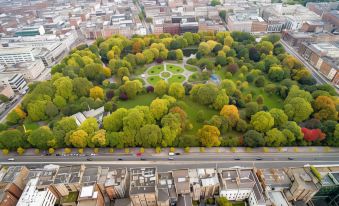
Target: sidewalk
column 192, row 150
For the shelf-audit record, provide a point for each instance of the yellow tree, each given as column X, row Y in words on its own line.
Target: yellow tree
column 209, row 136
column 231, row 113
column 96, row 92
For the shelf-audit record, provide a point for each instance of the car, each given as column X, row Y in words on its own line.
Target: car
column 87, row 155
column 120, row 159
column 237, row 158
column 171, row 154
column 89, row 159
column 170, row 158
column 47, row 154
column 290, row 158
column 259, row 158
column 57, row 154
column 142, row 158
column 11, row 159
column 177, row 153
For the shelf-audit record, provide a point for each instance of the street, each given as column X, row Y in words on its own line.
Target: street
column 162, row 162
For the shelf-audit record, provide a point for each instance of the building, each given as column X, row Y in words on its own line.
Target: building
column 16, row 82
column 7, row 91
column 246, row 23
column 29, row 70
column 30, row 31
column 32, row 196
column 143, row 186
column 10, row 56
column 98, row 114
column 204, row 183
column 181, row 181
column 304, row 184
column 116, row 182
column 241, row 184
column 90, row 196
column 12, row 183
column 166, row 192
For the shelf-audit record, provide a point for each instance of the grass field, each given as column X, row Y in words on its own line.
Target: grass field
column 174, row 69
column 153, row 79
column 165, row 74
column 176, row 78
column 156, row 69
column 143, row 99
column 191, row 68
column 31, row 126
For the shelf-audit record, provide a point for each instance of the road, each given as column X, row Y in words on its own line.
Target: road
column 183, row 161
column 4, row 114
column 148, row 31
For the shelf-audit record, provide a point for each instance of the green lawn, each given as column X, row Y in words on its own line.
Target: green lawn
column 31, row 126
column 191, row 68
column 174, row 68
column 153, row 79
column 156, row 69
column 195, row 77
column 270, row 100
column 192, row 108
column 143, row 99
column 165, row 74
column 176, row 78
column 72, row 197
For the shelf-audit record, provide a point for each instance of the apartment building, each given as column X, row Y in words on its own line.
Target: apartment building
column 116, row 183
column 143, row 186
column 246, row 23
column 16, row 82
column 182, row 185
column 29, row 70
column 304, row 184
column 32, row 196
column 204, row 183
column 323, row 56
column 12, row 183
column 241, row 184
column 166, row 192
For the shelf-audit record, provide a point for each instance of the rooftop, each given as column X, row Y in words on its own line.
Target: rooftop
column 142, row 180
column 115, row 177
column 181, row 180
column 274, row 177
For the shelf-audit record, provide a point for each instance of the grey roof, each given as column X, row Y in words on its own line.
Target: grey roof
column 184, row 200
column 142, row 180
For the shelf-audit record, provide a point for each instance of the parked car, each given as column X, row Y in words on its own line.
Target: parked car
column 237, row 158
column 89, row 159
column 11, row 159
column 170, row 158
column 290, row 158
column 259, row 158
column 171, row 153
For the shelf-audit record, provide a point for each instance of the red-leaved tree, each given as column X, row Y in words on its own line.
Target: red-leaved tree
column 312, row 135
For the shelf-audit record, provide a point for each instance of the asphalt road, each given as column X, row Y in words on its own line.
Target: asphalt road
column 182, row 161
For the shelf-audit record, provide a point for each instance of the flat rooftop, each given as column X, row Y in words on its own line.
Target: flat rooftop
column 142, row 180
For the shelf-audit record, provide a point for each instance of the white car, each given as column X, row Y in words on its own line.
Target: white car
column 171, row 154
column 10, row 159
column 170, row 158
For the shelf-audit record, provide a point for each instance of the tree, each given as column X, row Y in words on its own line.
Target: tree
column 12, row 139
column 298, row 109
column 276, row 73
column 113, row 122
column 96, row 92
column 326, row 108
column 3, row 98
column 265, row 47
column 13, row 118
column 20, row 151
column 312, row 135
column 98, row 139
column 64, row 87
column 223, row 201
column 51, row 110
column 209, row 136
column 123, row 71
column 159, row 107
column 231, row 113
column 178, row 54
column 275, row 138
column 253, row 138
column 42, row 138
column 222, row 15
column 228, row 41
column 79, row 139
column 59, row 101
column 81, row 86
column 51, row 150
column 161, row 88
column 221, row 99
column 229, row 86
column 215, row 2
column 90, row 125
column 262, row 121
column 251, row 108
column 131, row 88
column 254, row 54
column 241, row 126
column 294, row 128
column 221, row 60
column 176, row 90
column 260, row 81
column 150, row 135
column 280, row 118
column 233, row 68
column 36, row 110
column 204, row 93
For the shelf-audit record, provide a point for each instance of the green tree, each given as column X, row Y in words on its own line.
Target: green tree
column 223, row 201
column 64, row 87
column 51, row 110
column 131, row 88
column 113, row 122
column 221, row 99
column 262, row 121
column 59, row 101
column 229, row 86
column 42, row 138
column 12, row 139
column 61, row 128
column 98, row 139
column 81, row 86
column 150, row 135
column 280, row 118
column 209, row 136
column 294, row 128
column 90, row 126
column 253, row 138
column 298, row 109
column 161, row 87
column 204, row 93
column 79, row 139
column 276, row 73
column 176, row 90
column 275, row 138
column 36, row 110
column 251, row 108
column 123, row 71
column 159, row 107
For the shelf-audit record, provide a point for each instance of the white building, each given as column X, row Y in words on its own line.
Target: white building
column 33, row 197
column 10, row 56
column 30, row 70
column 17, row 83
column 240, row 184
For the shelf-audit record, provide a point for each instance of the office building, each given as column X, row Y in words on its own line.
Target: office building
column 116, row 182
column 10, row 56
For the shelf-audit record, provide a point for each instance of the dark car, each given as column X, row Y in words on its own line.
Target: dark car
column 237, row 158
column 142, row 158
column 47, row 154
column 89, row 159
column 177, row 153
column 290, row 158
column 57, row 154
column 119, row 159
column 259, row 158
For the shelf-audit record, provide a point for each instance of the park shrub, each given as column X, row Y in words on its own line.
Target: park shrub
column 142, row 150
column 5, row 152
column 96, row 150
column 123, row 96
column 67, row 150
column 111, row 150
column 265, row 149
column 157, row 150
column 20, row 151
column 51, row 150
column 233, row 149
column 187, row 149
column 202, row 149
column 172, row 149
column 127, row 151
column 36, row 151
